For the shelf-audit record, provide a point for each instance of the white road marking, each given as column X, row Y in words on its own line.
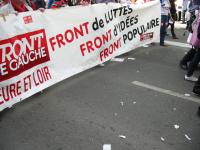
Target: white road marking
column 178, row 44
column 165, row 91
column 107, row 147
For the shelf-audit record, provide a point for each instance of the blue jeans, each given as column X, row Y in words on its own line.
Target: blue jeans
column 163, row 28
column 50, row 2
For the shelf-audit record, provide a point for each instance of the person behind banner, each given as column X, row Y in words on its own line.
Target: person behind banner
column 126, row 2
column 173, row 18
column 59, row 3
column 49, row 3
column 139, row 2
column 39, row 3
column 3, row 2
column 63, row 3
column 6, row 8
column 23, row 5
column 184, row 6
column 105, row 1
column 17, row 6
column 165, row 11
column 79, row 2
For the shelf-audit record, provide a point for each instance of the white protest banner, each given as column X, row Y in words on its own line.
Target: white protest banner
column 38, row 49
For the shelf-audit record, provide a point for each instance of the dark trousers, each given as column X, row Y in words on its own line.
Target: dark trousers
column 192, row 56
column 196, row 89
column 194, row 62
column 172, row 30
column 163, row 28
column 188, row 57
column 184, row 12
column 174, row 17
column 50, row 3
column 198, row 82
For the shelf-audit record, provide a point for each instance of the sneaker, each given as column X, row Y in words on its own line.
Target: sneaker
column 163, row 45
column 191, row 78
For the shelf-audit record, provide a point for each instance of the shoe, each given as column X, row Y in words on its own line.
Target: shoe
column 174, row 37
column 191, row 78
column 163, row 45
column 183, row 66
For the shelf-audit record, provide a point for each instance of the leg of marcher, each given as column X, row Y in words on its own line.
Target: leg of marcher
column 196, row 88
column 188, row 57
column 163, row 27
column 192, row 66
column 173, row 32
column 50, row 2
column 183, row 21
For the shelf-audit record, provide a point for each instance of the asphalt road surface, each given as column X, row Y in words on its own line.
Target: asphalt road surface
column 141, row 99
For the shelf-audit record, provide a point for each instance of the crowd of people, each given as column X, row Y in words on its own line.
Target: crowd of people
column 191, row 16
column 168, row 18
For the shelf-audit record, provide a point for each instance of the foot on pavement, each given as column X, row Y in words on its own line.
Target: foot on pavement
column 191, row 78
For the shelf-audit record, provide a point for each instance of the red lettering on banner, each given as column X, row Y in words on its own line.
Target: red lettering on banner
column 89, row 46
column 52, row 43
column 146, row 36
column 41, row 75
column 60, row 39
column 27, row 83
column 27, row 19
column 34, row 79
column 22, row 52
column 38, row 77
column 97, row 43
column 110, row 49
column 69, row 36
column 11, row 91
